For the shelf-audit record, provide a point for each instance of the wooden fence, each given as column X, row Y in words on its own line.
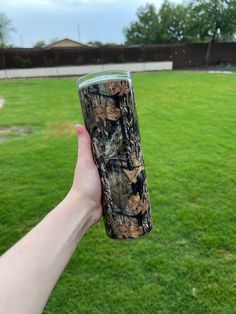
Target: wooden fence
column 182, row 56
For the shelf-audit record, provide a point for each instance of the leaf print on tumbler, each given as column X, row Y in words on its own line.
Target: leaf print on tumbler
column 110, row 113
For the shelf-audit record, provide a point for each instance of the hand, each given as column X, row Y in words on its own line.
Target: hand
column 87, row 185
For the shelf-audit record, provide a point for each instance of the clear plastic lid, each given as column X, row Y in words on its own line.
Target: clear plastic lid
column 103, row 76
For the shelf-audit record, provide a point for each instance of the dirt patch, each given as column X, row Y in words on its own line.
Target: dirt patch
column 7, row 133
column 61, row 128
column 225, row 255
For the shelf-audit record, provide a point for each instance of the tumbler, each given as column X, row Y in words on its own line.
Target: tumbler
column 109, row 112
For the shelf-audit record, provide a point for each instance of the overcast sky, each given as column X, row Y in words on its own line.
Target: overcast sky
column 101, row 20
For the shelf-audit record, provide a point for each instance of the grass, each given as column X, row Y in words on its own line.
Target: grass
column 188, row 262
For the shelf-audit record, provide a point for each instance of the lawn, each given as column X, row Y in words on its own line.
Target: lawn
column 187, row 264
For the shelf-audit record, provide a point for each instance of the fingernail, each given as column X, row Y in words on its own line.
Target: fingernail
column 79, row 129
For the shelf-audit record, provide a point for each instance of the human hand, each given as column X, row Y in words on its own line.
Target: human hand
column 86, row 185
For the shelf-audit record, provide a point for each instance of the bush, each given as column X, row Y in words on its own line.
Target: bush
column 120, row 59
column 23, row 63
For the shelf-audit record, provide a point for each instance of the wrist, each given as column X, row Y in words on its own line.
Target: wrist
column 83, row 206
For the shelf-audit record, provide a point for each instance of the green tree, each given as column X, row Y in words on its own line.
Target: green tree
column 95, row 43
column 146, row 30
column 192, row 21
column 40, row 44
column 174, row 22
column 212, row 20
column 6, row 28
column 169, row 25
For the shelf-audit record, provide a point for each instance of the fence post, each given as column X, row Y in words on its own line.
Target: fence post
column 102, row 55
column 143, row 53
column 3, row 63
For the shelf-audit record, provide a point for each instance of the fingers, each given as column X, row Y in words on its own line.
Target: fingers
column 84, row 145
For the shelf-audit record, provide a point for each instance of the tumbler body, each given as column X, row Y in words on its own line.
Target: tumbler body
column 109, row 111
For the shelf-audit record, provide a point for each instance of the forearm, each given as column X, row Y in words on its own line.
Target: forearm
column 30, row 269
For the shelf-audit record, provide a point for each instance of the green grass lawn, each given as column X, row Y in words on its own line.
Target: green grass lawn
column 187, row 264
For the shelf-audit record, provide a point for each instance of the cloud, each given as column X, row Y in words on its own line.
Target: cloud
column 98, row 19
column 62, row 3
column 73, row 3
column 25, row 4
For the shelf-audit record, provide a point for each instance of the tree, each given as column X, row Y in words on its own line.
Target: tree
column 192, row 21
column 6, row 28
column 174, row 21
column 169, row 25
column 95, row 43
column 40, row 44
column 213, row 20
column 146, row 30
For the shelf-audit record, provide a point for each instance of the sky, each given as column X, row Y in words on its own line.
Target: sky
column 81, row 20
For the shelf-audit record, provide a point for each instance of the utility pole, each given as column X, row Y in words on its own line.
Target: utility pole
column 78, row 32
column 21, row 41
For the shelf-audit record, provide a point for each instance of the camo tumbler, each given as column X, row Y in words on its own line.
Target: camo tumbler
column 108, row 107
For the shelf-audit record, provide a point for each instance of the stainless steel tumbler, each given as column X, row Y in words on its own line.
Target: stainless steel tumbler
column 108, row 106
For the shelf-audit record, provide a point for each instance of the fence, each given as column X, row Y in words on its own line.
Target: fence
column 85, row 69
column 182, row 56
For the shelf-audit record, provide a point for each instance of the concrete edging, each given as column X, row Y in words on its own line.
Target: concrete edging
column 84, row 69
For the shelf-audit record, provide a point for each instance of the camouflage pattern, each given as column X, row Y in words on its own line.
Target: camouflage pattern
column 110, row 117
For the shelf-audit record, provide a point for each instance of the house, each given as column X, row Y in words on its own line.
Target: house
column 66, row 43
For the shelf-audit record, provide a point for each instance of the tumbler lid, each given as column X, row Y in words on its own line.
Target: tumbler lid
column 103, row 76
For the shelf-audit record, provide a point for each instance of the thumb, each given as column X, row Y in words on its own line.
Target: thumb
column 84, row 145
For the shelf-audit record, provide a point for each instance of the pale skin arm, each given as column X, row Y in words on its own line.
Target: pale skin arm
column 30, row 269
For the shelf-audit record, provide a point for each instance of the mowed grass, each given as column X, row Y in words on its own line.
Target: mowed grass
column 187, row 264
